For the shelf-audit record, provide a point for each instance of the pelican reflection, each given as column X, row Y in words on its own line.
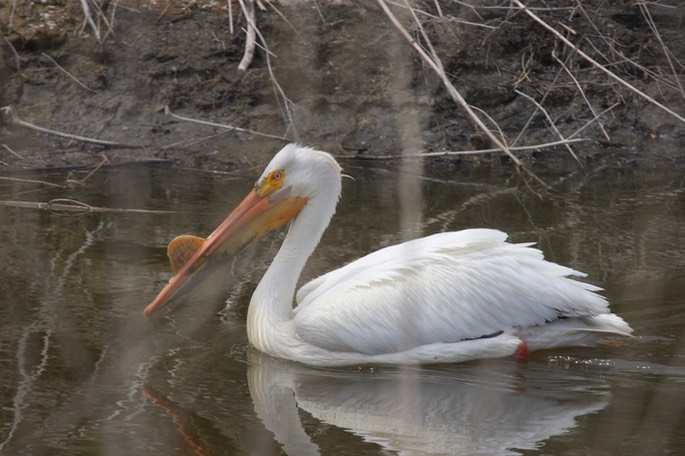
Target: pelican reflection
column 490, row 409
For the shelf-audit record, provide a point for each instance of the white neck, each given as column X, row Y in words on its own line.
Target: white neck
column 271, row 309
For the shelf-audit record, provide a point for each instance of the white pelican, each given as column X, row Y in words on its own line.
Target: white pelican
column 445, row 298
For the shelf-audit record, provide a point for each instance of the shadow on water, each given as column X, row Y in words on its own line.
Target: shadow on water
column 84, row 373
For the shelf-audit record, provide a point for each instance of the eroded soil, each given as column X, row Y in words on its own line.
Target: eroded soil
column 339, row 77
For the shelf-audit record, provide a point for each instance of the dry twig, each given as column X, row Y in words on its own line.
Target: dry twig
column 648, row 17
column 9, row 149
column 70, row 205
column 250, row 44
column 582, row 93
column 71, row 76
column 99, row 17
column 88, row 18
column 591, row 121
column 17, row 59
column 229, row 10
column 13, row 119
column 84, row 181
column 182, row 144
column 251, row 34
column 563, row 142
column 594, row 63
column 435, row 63
column 11, row 19
column 463, row 152
column 168, row 112
column 550, row 121
column 30, row 181
column 287, row 21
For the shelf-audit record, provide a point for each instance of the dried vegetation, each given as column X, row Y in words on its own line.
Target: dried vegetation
column 465, row 77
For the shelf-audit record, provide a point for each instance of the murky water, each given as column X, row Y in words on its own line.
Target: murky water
column 84, row 373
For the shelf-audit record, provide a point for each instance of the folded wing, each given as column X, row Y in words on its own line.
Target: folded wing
column 439, row 289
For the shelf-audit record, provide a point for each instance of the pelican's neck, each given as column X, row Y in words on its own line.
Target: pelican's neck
column 271, row 304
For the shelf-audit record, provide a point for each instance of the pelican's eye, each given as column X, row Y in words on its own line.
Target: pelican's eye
column 276, row 176
column 272, row 182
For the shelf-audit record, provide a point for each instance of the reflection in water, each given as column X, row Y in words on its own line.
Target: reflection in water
column 492, row 408
column 188, row 427
column 415, row 411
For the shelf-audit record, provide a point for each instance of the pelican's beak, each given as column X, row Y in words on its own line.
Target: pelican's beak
column 259, row 213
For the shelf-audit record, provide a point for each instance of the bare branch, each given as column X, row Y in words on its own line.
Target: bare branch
column 445, row 153
column 15, row 120
column 648, row 16
column 596, row 64
column 71, row 76
column 89, row 19
column 30, row 181
column 550, row 121
column 71, row 205
column 563, row 142
column 582, row 93
column 6, row 147
column 590, row 122
column 168, row 112
column 436, row 65
column 251, row 18
column 229, row 9
column 17, row 59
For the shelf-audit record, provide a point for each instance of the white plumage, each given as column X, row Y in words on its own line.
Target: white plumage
column 442, row 288
column 449, row 297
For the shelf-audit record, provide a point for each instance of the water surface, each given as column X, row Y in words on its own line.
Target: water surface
column 84, row 373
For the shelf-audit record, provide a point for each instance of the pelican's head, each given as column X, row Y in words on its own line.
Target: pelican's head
column 295, row 176
column 299, row 171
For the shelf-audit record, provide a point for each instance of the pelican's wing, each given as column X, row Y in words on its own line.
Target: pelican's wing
column 442, row 288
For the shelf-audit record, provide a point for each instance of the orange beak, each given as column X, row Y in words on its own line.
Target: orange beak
column 254, row 217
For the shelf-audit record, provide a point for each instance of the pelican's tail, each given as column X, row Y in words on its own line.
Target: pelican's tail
column 602, row 329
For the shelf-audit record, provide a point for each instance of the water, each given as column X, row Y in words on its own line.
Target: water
column 84, row 373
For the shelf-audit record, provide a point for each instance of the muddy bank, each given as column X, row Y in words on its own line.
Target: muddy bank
column 338, row 76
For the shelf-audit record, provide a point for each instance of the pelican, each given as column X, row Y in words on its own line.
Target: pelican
column 445, row 298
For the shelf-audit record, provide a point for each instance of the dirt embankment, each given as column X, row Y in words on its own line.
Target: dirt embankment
column 338, row 76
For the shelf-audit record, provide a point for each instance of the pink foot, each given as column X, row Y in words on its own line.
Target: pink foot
column 521, row 353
